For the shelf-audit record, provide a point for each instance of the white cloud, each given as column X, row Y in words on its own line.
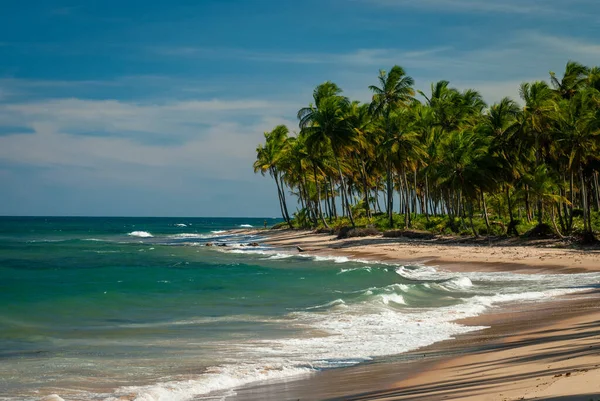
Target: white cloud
column 214, row 142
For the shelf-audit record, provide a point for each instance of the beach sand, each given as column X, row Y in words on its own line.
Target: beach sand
column 542, row 351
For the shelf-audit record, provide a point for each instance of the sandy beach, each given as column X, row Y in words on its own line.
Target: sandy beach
column 541, row 351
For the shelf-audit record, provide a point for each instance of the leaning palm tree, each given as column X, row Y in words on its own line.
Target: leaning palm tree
column 267, row 159
column 395, row 90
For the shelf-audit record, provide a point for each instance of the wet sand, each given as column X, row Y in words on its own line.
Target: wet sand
column 539, row 351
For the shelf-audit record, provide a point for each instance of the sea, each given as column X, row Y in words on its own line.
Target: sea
column 107, row 308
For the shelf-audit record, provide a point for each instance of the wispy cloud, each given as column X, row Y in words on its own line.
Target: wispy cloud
column 535, row 7
column 359, row 57
column 214, row 137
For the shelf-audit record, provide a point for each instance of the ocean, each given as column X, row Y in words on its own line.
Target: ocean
column 101, row 308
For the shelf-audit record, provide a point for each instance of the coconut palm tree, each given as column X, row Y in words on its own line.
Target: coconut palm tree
column 574, row 78
column 535, row 128
column 395, row 91
column 501, row 125
column 267, row 158
column 325, row 125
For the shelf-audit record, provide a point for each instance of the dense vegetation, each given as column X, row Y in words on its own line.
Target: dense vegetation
column 455, row 163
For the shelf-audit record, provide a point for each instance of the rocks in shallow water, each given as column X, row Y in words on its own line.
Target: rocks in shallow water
column 225, row 244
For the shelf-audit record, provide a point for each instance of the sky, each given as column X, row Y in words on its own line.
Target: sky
column 155, row 108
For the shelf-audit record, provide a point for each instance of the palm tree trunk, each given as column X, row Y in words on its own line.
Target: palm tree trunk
column 559, row 205
column 282, row 205
column 426, row 197
column 589, row 205
column 401, row 200
column 475, row 233
column 344, row 197
column 527, row 207
column 415, row 195
column 377, row 201
column 301, row 196
column 311, row 208
column 363, row 174
column 390, row 193
column 597, row 191
column 333, row 205
column 285, row 208
column 319, row 197
column 485, row 213
column 327, row 202
column 572, row 206
column 554, row 221
column 407, row 202
column 512, row 226
column 584, row 202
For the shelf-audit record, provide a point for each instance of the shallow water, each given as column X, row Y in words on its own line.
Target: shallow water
column 99, row 308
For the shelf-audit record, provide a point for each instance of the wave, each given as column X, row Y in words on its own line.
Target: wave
column 219, row 231
column 335, row 259
column 337, row 302
column 141, row 234
column 359, row 327
column 365, row 268
column 180, row 225
column 394, row 298
column 214, row 378
column 457, row 284
column 279, row 256
column 189, row 235
column 246, row 225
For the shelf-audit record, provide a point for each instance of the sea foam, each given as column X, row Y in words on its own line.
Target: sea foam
column 215, row 378
column 141, row 234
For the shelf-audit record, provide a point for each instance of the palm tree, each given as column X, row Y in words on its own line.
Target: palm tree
column 324, row 124
column 579, row 140
column 535, row 128
column 360, row 121
column 267, row 158
column 395, row 91
column 500, row 123
column 573, row 79
column 449, row 154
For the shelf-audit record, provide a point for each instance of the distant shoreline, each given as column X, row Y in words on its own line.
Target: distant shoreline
column 530, row 351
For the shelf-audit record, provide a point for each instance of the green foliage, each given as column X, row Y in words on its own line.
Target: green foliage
column 489, row 170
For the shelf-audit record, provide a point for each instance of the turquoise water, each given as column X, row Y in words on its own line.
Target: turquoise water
column 99, row 308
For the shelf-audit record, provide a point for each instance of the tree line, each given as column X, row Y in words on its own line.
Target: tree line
column 446, row 154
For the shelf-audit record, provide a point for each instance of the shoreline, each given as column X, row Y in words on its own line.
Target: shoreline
column 544, row 349
column 455, row 256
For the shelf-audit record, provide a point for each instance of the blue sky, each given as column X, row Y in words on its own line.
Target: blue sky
column 156, row 107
